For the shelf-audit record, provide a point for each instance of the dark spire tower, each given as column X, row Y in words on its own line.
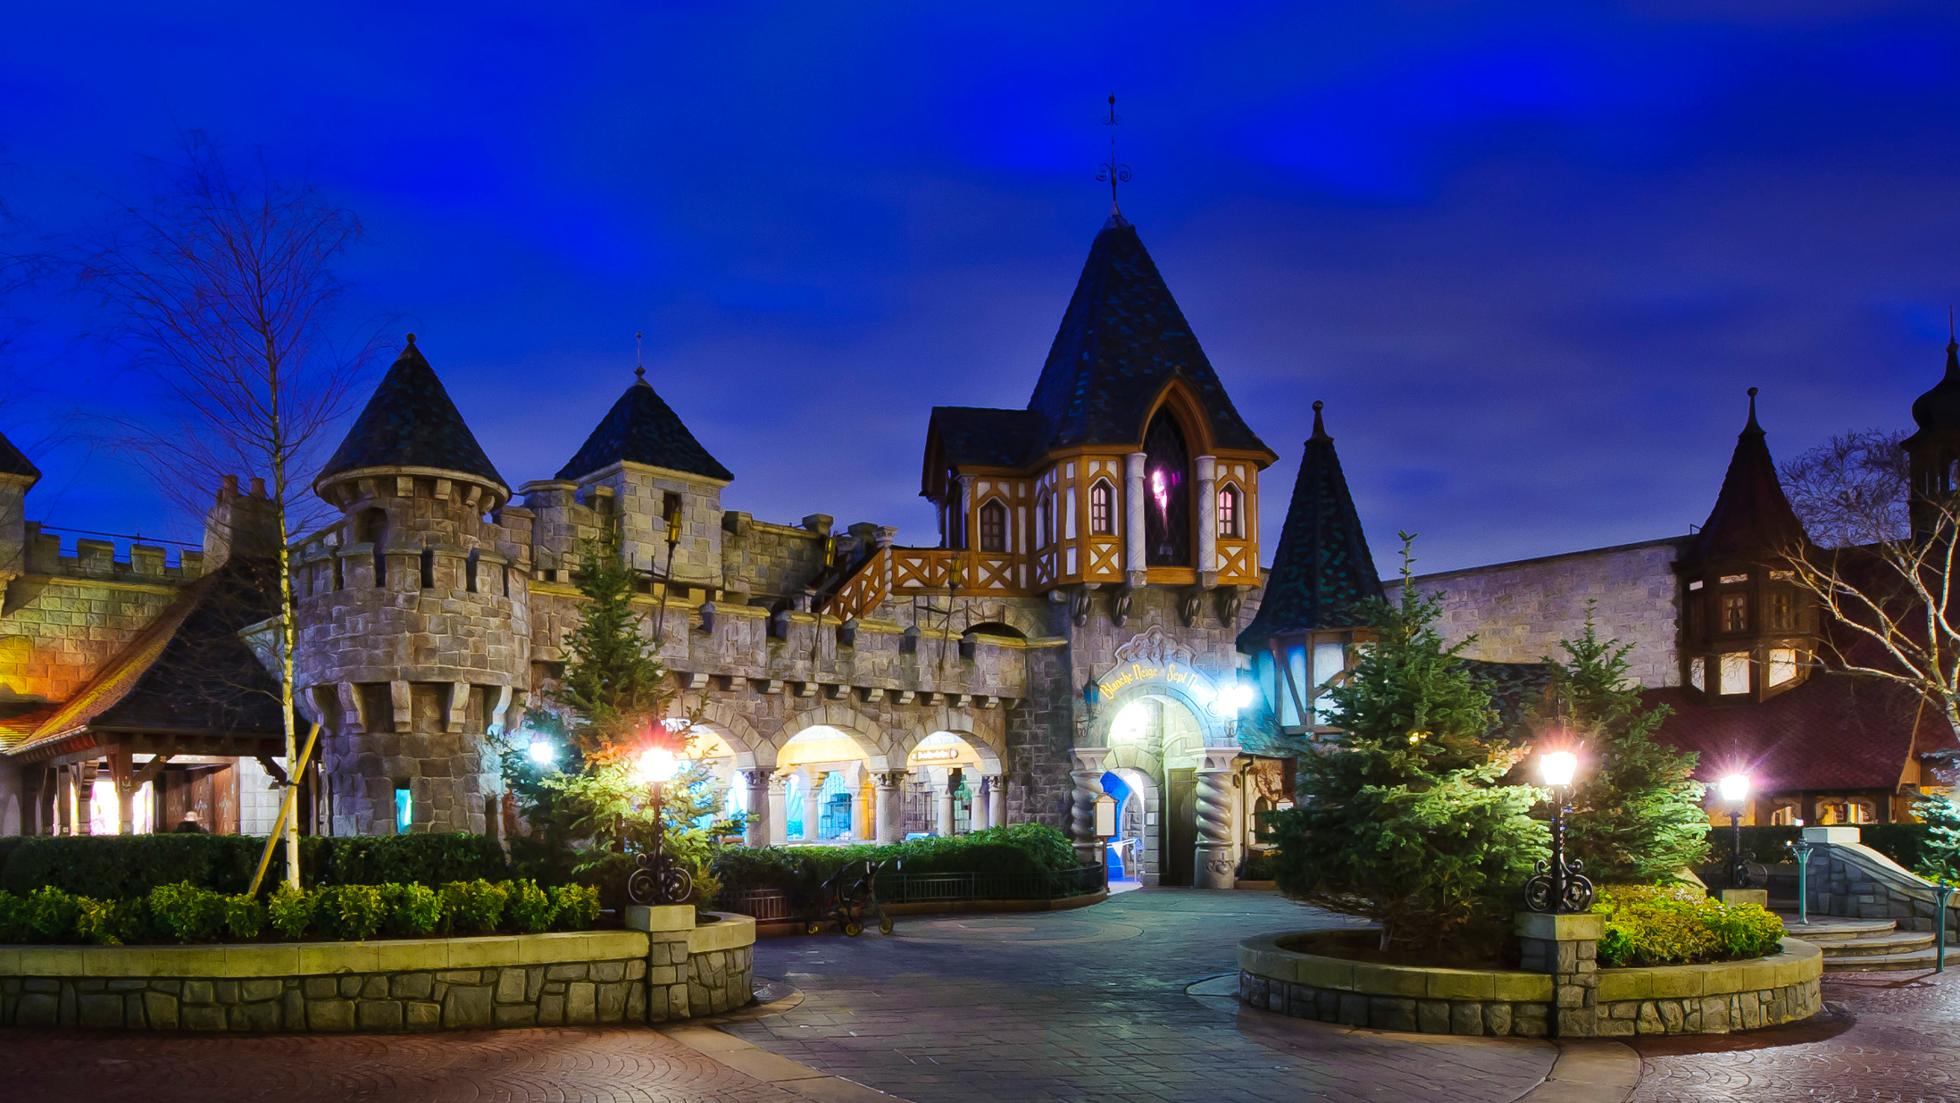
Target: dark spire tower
column 1315, row 606
column 1933, row 453
column 1748, row 631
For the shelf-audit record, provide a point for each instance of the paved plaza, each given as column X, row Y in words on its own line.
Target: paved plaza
column 1126, row 1000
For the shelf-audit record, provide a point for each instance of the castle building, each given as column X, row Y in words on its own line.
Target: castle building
column 1089, row 632
column 1071, row 633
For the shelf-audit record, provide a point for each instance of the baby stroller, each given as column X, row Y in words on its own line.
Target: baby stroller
column 849, row 897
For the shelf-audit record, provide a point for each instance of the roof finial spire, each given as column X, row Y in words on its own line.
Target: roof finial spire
column 1319, row 429
column 639, row 357
column 1752, row 427
column 1113, row 172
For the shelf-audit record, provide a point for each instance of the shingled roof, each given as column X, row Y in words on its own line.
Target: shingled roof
column 411, row 422
column 14, row 462
column 641, row 428
column 1752, row 521
column 1121, row 341
column 1938, row 410
column 188, row 673
column 1322, row 574
column 983, row 437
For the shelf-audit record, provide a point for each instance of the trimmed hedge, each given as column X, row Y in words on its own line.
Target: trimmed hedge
column 114, row 867
column 1025, row 849
column 1680, row 925
column 183, row 912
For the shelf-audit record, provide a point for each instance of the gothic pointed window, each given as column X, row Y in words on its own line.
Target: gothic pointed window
column 993, row 527
column 1167, row 490
column 1102, row 509
column 1228, row 512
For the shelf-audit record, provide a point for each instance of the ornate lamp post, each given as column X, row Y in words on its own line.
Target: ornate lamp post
column 1800, row 849
column 1735, row 790
column 1558, row 886
column 657, row 878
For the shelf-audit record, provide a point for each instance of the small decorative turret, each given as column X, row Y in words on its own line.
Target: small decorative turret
column 1933, row 453
column 414, row 613
column 17, row 476
column 1748, row 631
column 1314, row 608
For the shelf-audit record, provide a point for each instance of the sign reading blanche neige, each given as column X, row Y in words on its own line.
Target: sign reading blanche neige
column 1153, row 658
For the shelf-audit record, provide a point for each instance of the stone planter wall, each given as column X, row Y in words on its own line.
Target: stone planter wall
column 647, row 975
column 1688, row 999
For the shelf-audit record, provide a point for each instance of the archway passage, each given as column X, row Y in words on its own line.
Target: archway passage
column 952, row 786
column 1129, row 849
column 825, row 775
column 1156, row 743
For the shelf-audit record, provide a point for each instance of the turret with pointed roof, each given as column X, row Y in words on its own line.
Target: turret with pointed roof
column 1752, row 521
column 1323, row 575
column 410, row 423
column 1747, row 628
column 1934, row 451
column 641, row 428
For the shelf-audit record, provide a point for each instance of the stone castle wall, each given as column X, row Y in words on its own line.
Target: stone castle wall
column 1519, row 612
column 67, row 614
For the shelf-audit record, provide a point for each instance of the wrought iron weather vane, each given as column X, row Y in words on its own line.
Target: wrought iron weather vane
column 1112, row 171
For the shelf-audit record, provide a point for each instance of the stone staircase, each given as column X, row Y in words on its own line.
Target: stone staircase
column 1864, row 945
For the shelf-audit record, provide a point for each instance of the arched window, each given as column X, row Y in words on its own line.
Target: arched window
column 993, row 527
column 1229, row 512
column 1102, row 509
column 1167, row 485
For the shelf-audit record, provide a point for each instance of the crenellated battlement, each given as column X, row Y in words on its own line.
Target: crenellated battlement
column 110, row 559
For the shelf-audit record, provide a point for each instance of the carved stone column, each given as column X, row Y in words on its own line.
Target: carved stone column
column 84, row 793
column 1087, row 776
column 997, row 801
column 943, row 822
column 1207, row 520
column 765, row 805
column 890, row 784
column 1217, row 851
column 981, row 810
column 857, row 810
column 812, row 808
column 777, row 820
column 1135, row 494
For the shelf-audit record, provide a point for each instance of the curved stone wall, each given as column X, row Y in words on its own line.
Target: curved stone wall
column 412, row 984
column 1682, row 999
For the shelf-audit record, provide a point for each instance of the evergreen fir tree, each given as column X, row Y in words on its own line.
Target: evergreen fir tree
column 1406, row 819
column 1940, row 859
column 1637, row 816
column 612, row 687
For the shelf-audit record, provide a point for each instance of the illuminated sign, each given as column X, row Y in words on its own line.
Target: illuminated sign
column 936, row 754
column 1169, row 673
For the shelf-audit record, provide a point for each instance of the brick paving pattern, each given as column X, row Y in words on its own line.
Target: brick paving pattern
column 601, row 1065
column 1092, row 1005
column 1882, row 1038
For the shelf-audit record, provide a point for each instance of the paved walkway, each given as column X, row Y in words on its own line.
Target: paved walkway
column 1092, row 1004
column 1125, row 1000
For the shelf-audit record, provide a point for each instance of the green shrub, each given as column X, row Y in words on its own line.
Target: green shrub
column 473, row 907
column 13, row 918
column 351, row 912
column 573, row 907
column 1025, row 852
column 1679, row 925
column 289, row 911
column 413, row 910
column 50, row 915
column 186, row 912
column 529, row 909
column 118, row 866
column 244, row 916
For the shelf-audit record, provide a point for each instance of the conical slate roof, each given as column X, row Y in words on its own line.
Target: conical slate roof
column 642, row 428
column 1752, row 521
column 1322, row 573
column 14, row 462
column 1938, row 410
column 1121, row 340
column 411, row 422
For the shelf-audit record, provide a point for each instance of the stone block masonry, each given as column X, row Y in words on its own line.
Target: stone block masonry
column 633, row 976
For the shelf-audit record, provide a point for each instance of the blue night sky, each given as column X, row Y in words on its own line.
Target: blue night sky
column 1530, row 255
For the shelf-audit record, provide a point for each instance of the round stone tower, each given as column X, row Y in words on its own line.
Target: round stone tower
column 414, row 615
